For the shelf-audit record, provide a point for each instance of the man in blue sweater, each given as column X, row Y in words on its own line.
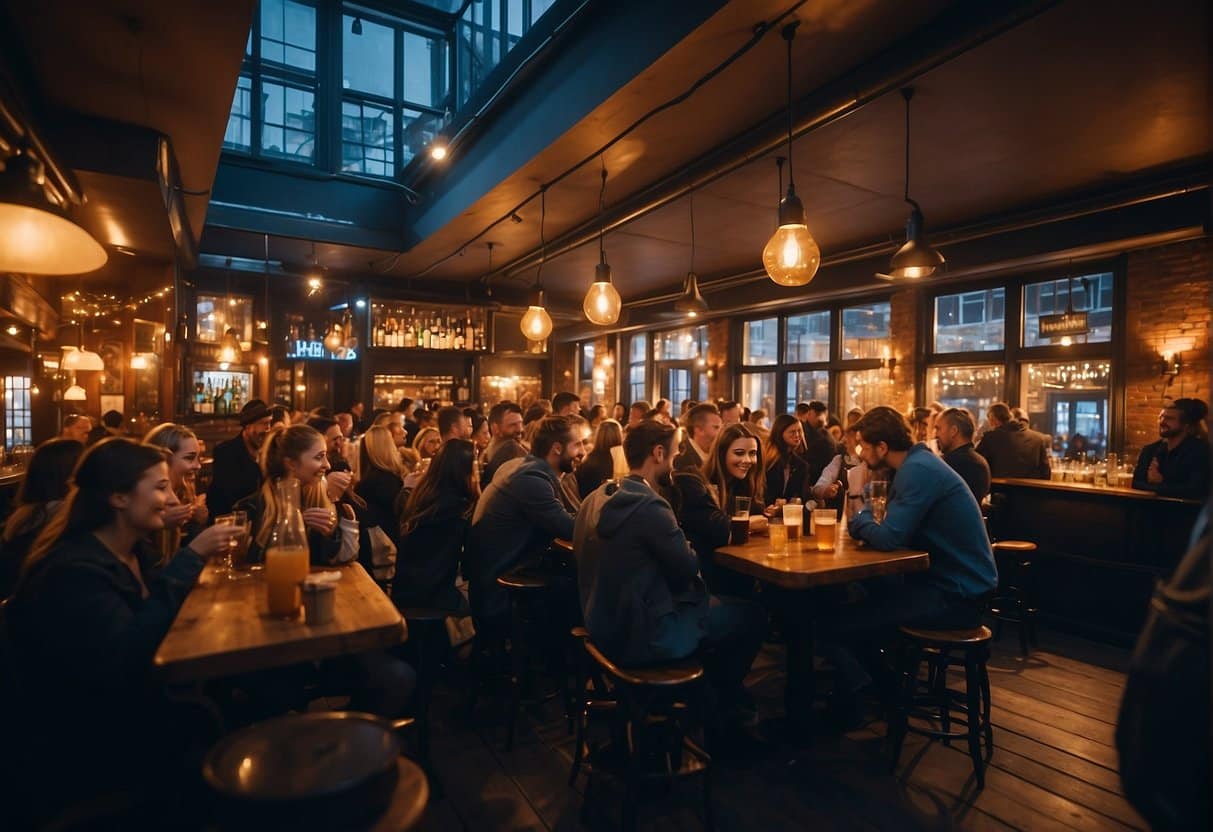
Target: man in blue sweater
column 931, row 508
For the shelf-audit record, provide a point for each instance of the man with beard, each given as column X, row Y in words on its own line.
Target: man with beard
column 505, row 423
column 237, row 473
column 570, row 491
column 1177, row 465
column 518, row 516
column 929, row 508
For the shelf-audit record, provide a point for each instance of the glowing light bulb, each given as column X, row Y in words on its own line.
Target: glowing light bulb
column 602, row 303
column 791, row 256
column 536, row 323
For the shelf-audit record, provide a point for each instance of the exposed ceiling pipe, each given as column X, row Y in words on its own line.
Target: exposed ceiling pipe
column 941, row 40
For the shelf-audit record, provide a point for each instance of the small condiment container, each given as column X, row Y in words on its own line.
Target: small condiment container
column 319, row 599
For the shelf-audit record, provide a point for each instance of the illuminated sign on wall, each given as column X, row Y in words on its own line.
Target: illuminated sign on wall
column 1067, row 323
column 312, row 350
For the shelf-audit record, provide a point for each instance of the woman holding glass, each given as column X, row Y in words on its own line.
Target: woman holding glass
column 184, row 520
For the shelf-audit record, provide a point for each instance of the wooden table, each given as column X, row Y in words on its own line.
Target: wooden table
column 805, row 569
column 222, row 628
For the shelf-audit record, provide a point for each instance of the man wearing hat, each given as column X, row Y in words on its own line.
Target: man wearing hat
column 237, row 473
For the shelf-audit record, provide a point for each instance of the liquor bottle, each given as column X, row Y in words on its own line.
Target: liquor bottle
column 217, row 403
column 208, row 399
column 444, row 341
column 410, row 334
column 462, row 394
column 425, row 337
column 237, row 396
column 380, row 336
column 480, row 339
column 469, row 333
column 457, row 343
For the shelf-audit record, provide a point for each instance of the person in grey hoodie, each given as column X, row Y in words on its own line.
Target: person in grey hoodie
column 642, row 596
column 518, row 516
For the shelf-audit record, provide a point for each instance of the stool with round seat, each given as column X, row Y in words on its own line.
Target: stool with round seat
column 1014, row 601
column 934, row 701
column 651, row 707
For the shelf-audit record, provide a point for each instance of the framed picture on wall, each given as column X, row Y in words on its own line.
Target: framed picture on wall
column 111, row 376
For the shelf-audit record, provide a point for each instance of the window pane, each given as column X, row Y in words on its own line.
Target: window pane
column 289, row 117
column 239, row 134
column 974, row 388
column 426, row 70
column 514, row 10
column 760, row 341
column 864, row 389
column 970, row 321
column 865, row 331
column 368, row 60
column 419, row 130
column 807, row 386
column 808, row 338
column 1068, row 399
column 288, row 34
column 1049, row 298
column 681, row 344
column 758, row 391
column 639, row 348
column 18, row 422
column 587, row 360
column 367, row 143
column 637, row 387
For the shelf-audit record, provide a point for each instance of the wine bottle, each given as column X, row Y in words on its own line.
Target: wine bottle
column 469, row 333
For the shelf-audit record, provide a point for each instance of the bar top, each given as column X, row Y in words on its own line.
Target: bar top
column 1088, row 488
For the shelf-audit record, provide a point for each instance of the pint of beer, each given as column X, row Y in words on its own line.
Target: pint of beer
column 793, row 520
column 825, row 521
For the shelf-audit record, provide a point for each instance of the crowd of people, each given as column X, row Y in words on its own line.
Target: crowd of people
column 109, row 534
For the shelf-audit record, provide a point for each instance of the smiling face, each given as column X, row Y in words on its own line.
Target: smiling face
column 334, row 440
column 511, row 426
column 481, row 437
column 430, row 445
column 311, row 465
column 1170, row 423
column 576, row 448
column 741, row 456
column 186, row 462
column 143, row 508
column 793, row 436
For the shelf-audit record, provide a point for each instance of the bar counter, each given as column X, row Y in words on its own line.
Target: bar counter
column 1099, row 551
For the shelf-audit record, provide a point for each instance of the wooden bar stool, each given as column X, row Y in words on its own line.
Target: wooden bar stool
column 935, row 701
column 649, row 743
column 1014, row 602
column 428, row 643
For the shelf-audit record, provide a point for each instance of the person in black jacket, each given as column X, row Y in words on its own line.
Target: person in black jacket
column 787, row 473
column 381, row 478
column 41, row 495
column 1177, row 465
column 954, row 430
column 702, row 424
column 433, row 531
column 1011, row 449
column 599, row 464
column 90, row 609
column 236, row 473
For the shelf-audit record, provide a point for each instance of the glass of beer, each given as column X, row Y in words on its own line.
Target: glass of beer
column 234, row 562
column 793, row 522
column 825, row 522
column 739, row 525
column 880, row 498
column 285, row 569
column 779, row 538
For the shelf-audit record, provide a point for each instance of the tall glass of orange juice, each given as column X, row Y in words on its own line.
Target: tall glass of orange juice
column 286, row 556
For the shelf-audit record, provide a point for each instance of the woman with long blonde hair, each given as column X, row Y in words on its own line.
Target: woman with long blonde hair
column 189, row 516
column 383, row 475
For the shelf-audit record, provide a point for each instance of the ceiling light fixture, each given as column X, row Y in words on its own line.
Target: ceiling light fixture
column 230, row 351
column 138, row 361
column 691, row 303
column 602, row 302
column 791, row 256
column 36, row 237
column 916, row 259
column 75, row 393
column 536, row 323
column 356, row 26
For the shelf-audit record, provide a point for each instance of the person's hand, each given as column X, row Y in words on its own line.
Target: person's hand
column 177, row 516
column 411, row 480
column 322, row 520
column 200, row 514
column 758, row 524
column 1153, row 474
column 347, row 511
column 215, row 540
column 337, row 483
column 830, row 491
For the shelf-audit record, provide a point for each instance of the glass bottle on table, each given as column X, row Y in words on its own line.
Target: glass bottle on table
column 286, row 557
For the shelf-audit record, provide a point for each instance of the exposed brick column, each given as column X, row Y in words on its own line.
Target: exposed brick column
column 905, row 307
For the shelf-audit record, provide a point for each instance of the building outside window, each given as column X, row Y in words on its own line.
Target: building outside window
column 680, row 361
column 1090, row 293
column 638, row 355
column 18, row 421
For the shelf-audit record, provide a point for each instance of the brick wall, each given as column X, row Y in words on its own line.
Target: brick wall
column 1169, row 307
column 720, row 384
column 904, row 310
column 599, row 387
column 564, row 366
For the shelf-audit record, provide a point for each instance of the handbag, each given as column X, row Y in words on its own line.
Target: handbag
column 383, row 554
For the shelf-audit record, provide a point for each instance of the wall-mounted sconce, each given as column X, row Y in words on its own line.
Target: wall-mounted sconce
column 889, row 362
column 1169, row 365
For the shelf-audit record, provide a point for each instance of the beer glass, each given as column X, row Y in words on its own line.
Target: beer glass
column 235, row 561
column 880, row 499
column 825, row 522
column 779, row 538
column 793, row 523
column 739, row 525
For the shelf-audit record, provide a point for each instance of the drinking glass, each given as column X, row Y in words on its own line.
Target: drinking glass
column 779, row 538
column 739, row 523
column 880, row 497
column 235, row 561
column 825, row 525
column 793, row 523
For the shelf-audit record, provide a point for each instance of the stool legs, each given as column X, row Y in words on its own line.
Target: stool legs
column 975, row 709
column 518, row 668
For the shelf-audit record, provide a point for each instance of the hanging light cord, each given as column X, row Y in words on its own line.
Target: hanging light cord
column 601, row 211
column 907, row 93
column 789, row 32
column 543, row 243
column 691, row 199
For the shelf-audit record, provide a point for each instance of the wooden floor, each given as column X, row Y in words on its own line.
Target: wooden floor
column 1054, row 764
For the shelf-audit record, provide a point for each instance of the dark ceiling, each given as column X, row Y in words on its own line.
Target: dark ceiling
column 1080, row 97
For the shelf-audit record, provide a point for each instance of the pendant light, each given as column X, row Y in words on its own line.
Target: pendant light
column 230, row 351
column 75, row 393
column 35, row 235
column 536, row 323
column 791, row 256
column 691, row 303
column 916, row 259
column 602, row 301
column 77, row 357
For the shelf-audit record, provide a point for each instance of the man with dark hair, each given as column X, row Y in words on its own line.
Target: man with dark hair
column 637, row 412
column 920, row 422
column 929, row 507
column 505, row 425
column 954, row 430
column 730, row 412
column 703, row 423
column 340, row 477
column 638, row 578
column 1177, row 465
column 1011, row 449
column 111, row 425
column 518, row 516
column 361, row 424
column 819, row 446
column 453, row 424
column 566, row 404
column 76, row 426
column 237, row 473
column 685, row 407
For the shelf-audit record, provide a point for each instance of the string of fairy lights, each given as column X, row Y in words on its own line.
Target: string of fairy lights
column 82, row 306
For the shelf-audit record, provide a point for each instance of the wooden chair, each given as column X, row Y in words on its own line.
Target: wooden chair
column 650, row 711
column 935, row 701
column 1013, row 603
